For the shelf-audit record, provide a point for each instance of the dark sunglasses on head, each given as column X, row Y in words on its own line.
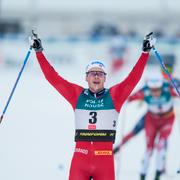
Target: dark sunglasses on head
column 96, row 73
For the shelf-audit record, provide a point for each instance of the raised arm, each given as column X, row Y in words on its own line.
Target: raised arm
column 68, row 90
column 121, row 91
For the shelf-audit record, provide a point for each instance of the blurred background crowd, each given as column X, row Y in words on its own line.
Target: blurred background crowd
column 116, row 24
column 90, row 18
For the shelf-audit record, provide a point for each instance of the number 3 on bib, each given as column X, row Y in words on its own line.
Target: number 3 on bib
column 93, row 118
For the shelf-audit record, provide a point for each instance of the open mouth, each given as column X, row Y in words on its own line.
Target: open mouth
column 95, row 82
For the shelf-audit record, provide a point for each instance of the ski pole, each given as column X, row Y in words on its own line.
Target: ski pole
column 14, row 87
column 159, row 58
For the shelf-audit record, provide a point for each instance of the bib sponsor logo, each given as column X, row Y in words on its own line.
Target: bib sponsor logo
column 103, row 153
column 94, row 103
column 91, row 134
column 80, row 150
column 91, row 126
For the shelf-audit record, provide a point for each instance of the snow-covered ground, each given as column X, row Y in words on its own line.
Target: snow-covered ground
column 37, row 132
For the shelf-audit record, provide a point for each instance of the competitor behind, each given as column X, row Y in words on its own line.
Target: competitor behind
column 157, row 122
column 139, row 126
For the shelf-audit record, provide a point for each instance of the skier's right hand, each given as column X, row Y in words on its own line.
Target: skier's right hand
column 35, row 42
column 149, row 42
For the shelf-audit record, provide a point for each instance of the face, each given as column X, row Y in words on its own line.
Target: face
column 156, row 92
column 95, row 78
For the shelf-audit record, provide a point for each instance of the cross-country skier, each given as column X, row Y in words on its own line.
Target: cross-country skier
column 96, row 112
column 158, row 121
column 139, row 126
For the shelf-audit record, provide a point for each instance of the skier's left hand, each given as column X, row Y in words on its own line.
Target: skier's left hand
column 149, row 42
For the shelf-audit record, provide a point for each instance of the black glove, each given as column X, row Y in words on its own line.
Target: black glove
column 148, row 42
column 35, row 42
